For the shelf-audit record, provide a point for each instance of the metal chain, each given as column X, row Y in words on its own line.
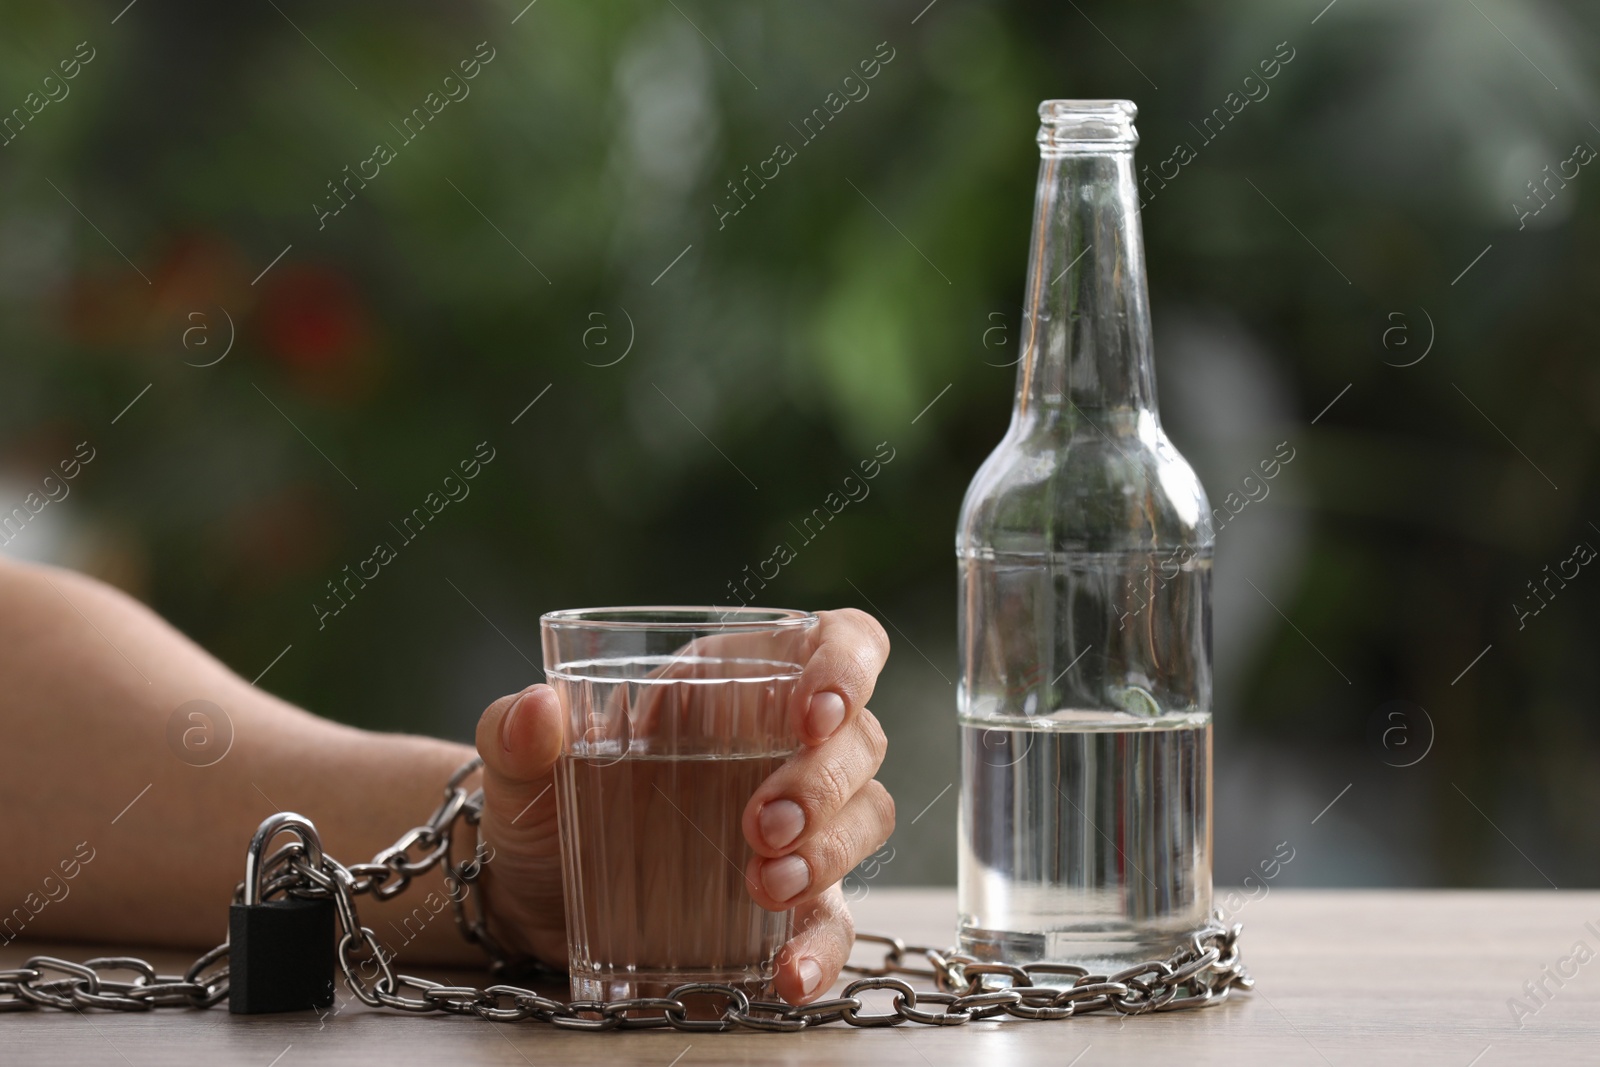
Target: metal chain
column 1205, row 970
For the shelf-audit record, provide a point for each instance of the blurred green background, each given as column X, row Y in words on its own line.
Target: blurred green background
column 704, row 381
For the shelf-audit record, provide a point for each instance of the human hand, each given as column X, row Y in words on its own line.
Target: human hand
column 808, row 824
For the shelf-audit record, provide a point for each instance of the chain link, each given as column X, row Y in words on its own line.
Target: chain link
column 1204, row 971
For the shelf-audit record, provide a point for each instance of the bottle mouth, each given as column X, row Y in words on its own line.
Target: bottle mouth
column 1072, row 126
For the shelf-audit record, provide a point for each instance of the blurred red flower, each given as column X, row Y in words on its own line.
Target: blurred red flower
column 312, row 320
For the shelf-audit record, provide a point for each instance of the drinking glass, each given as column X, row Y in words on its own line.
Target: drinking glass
column 673, row 716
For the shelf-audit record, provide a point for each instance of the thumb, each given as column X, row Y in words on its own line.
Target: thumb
column 519, row 738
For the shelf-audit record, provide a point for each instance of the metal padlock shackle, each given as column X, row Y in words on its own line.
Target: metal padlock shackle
column 271, row 827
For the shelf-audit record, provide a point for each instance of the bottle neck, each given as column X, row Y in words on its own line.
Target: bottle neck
column 1086, row 328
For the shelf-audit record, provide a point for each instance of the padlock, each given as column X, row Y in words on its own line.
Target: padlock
column 281, row 952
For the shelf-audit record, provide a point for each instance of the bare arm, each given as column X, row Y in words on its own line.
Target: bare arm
column 114, row 837
column 154, row 844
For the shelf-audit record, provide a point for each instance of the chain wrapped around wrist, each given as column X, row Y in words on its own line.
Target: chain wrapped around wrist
column 1203, row 971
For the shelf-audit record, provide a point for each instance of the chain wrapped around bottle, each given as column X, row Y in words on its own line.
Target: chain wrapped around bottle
column 1203, row 971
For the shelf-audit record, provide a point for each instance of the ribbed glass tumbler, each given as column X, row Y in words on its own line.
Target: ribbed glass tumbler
column 673, row 717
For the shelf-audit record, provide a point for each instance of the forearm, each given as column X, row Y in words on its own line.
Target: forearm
column 154, row 845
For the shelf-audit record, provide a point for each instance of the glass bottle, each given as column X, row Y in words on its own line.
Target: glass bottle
column 1084, row 549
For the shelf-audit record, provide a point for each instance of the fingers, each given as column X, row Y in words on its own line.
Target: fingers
column 861, row 827
column 839, row 675
column 812, row 786
column 811, row 961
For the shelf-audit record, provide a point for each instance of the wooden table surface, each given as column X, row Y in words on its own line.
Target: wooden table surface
column 1344, row 977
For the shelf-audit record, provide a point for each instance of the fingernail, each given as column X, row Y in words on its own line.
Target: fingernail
column 781, row 822
column 825, row 715
column 507, row 723
column 786, row 877
column 810, row 976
